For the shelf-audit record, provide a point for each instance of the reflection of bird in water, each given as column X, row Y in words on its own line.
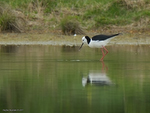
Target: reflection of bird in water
column 97, row 79
column 103, row 67
column 98, row 41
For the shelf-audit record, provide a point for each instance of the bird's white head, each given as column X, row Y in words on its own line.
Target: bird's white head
column 86, row 40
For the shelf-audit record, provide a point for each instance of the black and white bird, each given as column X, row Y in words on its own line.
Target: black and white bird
column 98, row 41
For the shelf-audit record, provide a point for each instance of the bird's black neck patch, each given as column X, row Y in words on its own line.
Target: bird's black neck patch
column 88, row 39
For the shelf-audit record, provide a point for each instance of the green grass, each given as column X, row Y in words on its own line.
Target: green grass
column 116, row 14
column 90, row 13
column 8, row 20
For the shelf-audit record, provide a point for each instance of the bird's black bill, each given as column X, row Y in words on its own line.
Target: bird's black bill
column 81, row 46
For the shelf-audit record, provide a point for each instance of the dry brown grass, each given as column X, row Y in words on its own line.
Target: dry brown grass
column 36, row 8
column 10, row 20
column 142, row 23
column 134, row 3
column 36, row 17
column 70, row 26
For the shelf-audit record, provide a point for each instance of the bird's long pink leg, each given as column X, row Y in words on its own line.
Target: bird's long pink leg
column 105, row 50
column 103, row 53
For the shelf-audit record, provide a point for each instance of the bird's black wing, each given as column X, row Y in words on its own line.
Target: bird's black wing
column 103, row 37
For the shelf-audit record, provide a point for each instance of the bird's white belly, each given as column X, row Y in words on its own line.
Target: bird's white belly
column 97, row 44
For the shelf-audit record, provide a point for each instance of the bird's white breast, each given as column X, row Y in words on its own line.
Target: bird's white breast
column 98, row 44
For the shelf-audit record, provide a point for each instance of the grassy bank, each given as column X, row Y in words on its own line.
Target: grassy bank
column 45, row 15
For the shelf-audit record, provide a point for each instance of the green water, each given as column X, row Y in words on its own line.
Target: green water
column 48, row 79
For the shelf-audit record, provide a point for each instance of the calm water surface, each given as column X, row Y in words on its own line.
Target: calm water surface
column 60, row 79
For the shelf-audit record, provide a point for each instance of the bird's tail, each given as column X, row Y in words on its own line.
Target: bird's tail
column 116, row 34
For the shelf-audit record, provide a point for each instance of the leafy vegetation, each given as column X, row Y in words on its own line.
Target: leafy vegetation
column 70, row 25
column 52, row 14
column 9, row 21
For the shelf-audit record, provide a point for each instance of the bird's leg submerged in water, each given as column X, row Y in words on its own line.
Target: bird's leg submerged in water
column 104, row 54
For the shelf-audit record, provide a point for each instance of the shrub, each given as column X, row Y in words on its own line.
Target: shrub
column 9, row 21
column 70, row 25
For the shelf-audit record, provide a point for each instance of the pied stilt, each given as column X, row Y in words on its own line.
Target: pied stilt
column 98, row 41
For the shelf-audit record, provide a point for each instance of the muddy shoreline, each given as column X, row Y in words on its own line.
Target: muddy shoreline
column 54, row 39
